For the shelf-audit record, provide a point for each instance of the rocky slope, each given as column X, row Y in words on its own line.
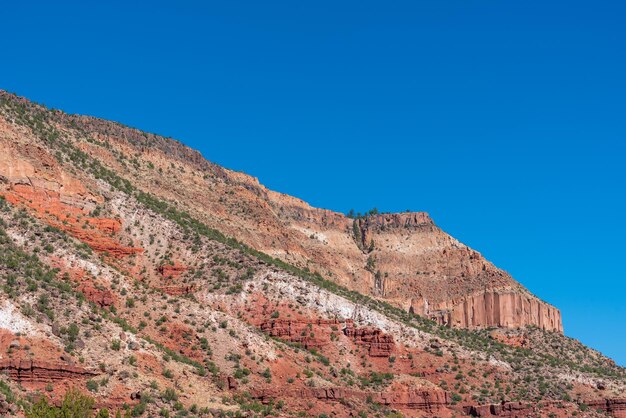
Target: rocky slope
column 403, row 258
column 160, row 283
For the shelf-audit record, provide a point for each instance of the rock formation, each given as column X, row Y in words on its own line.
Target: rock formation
column 40, row 371
column 614, row 407
column 499, row 309
column 297, row 331
column 403, row 396
column 101, row 297
column 377, row 343
column 171, row 270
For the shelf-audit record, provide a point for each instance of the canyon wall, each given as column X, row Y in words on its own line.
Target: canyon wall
column 500, row 309
column 423, row 269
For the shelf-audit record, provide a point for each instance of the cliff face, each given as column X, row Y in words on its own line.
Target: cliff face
column 378, row 343
column 500, row 309
column 423, row 269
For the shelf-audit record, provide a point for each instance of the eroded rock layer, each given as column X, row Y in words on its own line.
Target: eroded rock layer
column 500, row 309
column 40, row 371
column 400, row 395
column 614, row 407
column 378, row 343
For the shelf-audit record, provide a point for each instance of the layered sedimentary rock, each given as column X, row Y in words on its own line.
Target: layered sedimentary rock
column 426, row 271
column 41, row 371
column 312, row 333
column 403, row 259
column 172, row 270
column 369, row 225
column 614, row 407
column 377, row 343
column 405, row 396
column 298, row 331
column 508, row 409
column 108, row 226
column 33, row 178
column 95, row 232
column 499, row 309
column 519, row 339
column 101, row 297
column 30, row 170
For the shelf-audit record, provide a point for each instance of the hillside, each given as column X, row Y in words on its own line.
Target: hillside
column 158, row 282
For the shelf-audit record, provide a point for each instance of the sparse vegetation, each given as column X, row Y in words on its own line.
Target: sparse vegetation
column 153, row 315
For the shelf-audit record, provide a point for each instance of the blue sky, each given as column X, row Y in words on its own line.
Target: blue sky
column 506, row 121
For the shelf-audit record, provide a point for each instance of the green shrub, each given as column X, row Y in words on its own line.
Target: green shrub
column 75, row 405
column 92, row 385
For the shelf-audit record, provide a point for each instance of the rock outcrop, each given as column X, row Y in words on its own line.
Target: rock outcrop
column 48, row 205
column 40, row 371
column 101, row 297
column 412, row 397
column 520, row 339
column 505, row 409
column 208, row 233
column 614, row 407
column 403, row 258
column 367, row 226
column 496, row 308
column 33, row 178
column 171, row 270
column 108, row 226
column 297, row 331
column 377, row 343
column 398, row 396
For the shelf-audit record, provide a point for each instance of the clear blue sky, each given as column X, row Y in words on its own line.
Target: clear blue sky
column 505, row 120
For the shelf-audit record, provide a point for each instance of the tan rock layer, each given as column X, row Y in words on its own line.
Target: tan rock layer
column 385, row 221
column 500, row 309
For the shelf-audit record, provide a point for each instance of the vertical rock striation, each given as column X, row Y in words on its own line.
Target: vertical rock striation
column 496, row 308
